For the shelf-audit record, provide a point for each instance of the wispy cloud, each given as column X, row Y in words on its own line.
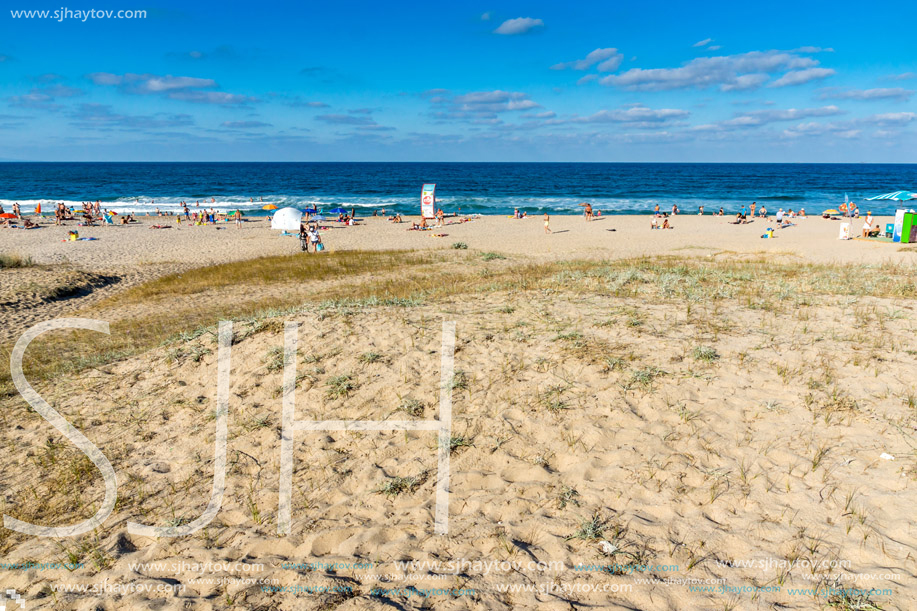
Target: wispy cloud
column 485, row 16
column 904, row 76
column 223, row 52
column 296, row 101
column 185, row 88
column 519, row 25
column 479, row 107
column 757, row 118
column 888, row 93
column 636, row 113
column 728, row 72
column 102, row 117
column 702, row 43
column 801, row 77
column 893, row 118
column 608, row 60
column 245, row 124
column 44, row 97
column 345, row 120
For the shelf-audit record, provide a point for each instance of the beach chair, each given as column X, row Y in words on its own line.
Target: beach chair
column 108, row 219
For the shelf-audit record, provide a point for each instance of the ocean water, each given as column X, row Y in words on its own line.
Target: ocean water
column 486, row 188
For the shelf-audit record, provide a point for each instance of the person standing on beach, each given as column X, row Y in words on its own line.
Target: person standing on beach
column 656, row 210
column 547, row 223
column 867, row 224
column 587, row 211
column 700, row 211
column 753, row 206
column 16, row 210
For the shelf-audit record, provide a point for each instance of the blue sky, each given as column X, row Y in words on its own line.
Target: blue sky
column 489, row 81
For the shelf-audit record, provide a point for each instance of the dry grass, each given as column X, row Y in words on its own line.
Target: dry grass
column 11, row 260
column 347, row 282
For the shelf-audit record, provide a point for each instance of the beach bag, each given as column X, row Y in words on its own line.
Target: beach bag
column 319, row 247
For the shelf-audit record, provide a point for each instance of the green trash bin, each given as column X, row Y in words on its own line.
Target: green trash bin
column 909, row 228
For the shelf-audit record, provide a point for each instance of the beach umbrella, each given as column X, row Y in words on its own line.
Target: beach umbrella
column 38, row 208
column 337, row 211
column 830, row 212
column 269, row 207
column 317, row 217
column 898, row 196
column 310, row 210
column 286, row 219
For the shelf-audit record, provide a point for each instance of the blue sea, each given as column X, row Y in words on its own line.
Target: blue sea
column 485, row 188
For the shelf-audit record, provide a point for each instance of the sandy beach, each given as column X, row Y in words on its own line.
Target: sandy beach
column 693, row 418
column 812, row 239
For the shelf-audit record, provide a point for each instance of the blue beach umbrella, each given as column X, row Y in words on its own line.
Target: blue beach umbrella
column 317, row 217
column 898, row 196
column 310, row 210
column 337, row 211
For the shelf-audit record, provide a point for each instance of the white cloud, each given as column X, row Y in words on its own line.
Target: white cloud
column 714, row 47
column 477, row 106
column 904, row 76
column 729, row 72
column 587, row 79
column 519, row 25
column 758, row 118
column 244, row 124
column 703, row 43
column 635, row 114
column 185, row 88
column 842, row 130
column 893, row 118
column 800, row 77
column 485, row 16
column 886, row 93
column 608, row 60
column 746, row 81
column 813, row 50
column 150, row 83
column 221, row 98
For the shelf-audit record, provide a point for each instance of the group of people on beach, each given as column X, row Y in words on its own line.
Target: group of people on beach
column 13, row 218
column 309, row 236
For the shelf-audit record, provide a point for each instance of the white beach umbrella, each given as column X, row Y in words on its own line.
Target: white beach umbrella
column 286, row 219
column 898, row 196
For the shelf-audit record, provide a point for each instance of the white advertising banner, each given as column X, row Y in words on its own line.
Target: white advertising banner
column 428, row 201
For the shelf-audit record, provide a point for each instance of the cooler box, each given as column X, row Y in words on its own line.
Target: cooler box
column 909, row 228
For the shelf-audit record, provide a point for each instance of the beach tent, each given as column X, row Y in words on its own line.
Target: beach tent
column 286, row 219
column 898, row 196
